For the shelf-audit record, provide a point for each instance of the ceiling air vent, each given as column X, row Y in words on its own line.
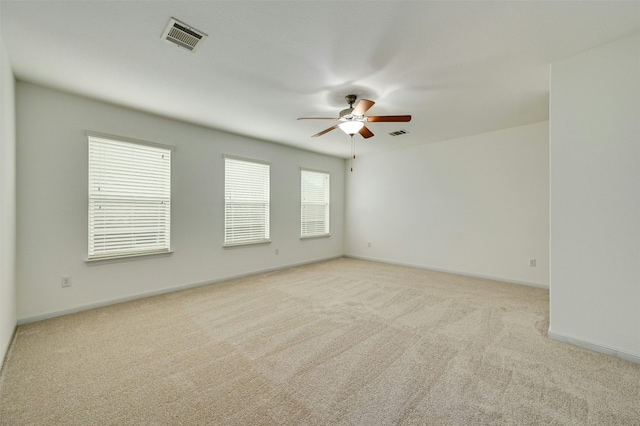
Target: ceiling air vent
column 399, row 132
column 183, row 35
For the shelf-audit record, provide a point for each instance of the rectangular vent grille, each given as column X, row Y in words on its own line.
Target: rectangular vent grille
column 183, row 35
column 399, row 132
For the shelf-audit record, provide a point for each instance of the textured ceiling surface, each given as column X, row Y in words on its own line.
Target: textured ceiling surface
column 459, row 68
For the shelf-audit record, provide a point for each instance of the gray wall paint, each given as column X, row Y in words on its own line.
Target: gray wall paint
column 7, row 204
column 52, row 205
column 595, row 198
column 477, row 205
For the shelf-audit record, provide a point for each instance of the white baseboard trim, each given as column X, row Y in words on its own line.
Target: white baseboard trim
column 592, row 346
column 54, row 314
column 450, row 271
column 5, row 355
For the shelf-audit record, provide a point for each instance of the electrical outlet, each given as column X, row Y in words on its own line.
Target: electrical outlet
column 66, row 281
column 369, row 245
column 277, row 251
column 532, row 263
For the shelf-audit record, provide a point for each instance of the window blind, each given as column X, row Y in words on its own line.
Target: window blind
column 315, row 204
column 129, row 198
column 246, row 188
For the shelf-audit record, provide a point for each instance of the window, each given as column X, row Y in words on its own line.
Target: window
column 246, row 207
column 314, row 217
column 129, row 198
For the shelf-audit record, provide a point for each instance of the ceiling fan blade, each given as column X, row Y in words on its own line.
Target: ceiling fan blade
column 325, row 131
column 318, row 118
column 362, row 107
column 366, row 133
column 388, row 118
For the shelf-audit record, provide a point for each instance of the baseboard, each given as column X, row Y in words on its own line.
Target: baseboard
column 5, row 355
column 49, row 315
column 592, row 346
column 450, row 271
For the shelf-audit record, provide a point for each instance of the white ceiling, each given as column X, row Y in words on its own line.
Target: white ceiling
column 459, row 68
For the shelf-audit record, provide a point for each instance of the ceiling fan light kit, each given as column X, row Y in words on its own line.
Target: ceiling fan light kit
column 351, row 127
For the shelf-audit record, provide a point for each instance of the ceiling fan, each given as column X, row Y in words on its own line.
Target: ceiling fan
column 352, row 120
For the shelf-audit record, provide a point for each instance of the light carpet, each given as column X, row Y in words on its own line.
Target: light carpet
column 339, row 342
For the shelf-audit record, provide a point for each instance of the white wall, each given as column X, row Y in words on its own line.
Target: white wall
column 476, row 205
column 7, row 204
column 52, row 205
column 595, row 198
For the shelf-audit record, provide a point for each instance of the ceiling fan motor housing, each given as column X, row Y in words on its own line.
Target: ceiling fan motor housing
column 346, row 113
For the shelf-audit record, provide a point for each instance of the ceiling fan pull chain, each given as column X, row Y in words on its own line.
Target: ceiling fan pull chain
column 353, row 151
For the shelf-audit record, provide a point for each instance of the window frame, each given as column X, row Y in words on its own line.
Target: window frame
column 163, row 194
column 327, row 204
column 239, row 242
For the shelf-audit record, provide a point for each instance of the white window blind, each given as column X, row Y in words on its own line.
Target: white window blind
column 315, row 204
column 129, row 198
column 246, row 190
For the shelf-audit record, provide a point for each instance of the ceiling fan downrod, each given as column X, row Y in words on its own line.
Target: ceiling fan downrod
column 346, row 113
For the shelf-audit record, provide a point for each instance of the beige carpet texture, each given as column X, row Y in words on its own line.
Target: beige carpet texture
column 341, row 342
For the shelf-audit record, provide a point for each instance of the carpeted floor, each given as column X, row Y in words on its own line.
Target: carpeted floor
column 338, row 342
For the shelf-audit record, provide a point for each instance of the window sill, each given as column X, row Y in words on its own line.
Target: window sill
column 315, row 236
column 126, row 258
column 252, row 243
